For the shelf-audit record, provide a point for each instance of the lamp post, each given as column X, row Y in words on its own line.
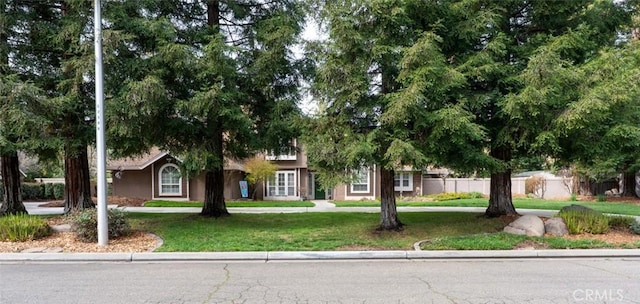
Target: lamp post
column 103, row 235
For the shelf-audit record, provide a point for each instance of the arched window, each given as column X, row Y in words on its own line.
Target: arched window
column 170, row 180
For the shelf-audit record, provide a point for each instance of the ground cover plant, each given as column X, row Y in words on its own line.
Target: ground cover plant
column 22, row 227
column 231, row 204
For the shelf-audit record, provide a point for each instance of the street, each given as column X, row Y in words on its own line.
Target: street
column 589, row 280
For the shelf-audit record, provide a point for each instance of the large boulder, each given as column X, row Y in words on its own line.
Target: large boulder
column 529, row 225
column 556, row 226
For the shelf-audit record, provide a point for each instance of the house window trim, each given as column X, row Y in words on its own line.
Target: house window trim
column 409, row 178
column 368, row 182
column 160, row 183
column 287, row 182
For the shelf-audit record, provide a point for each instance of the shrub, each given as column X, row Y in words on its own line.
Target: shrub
column 448, row 196
column 602, row 198
column 635, row 227
column 620, row 221
column 475, row 195
column 48, row 190
column 32, row 191
column 22, row 228
column 573, row 197
column 58, row 191
column 585, row 222
column 535, row 185
column 85, row 224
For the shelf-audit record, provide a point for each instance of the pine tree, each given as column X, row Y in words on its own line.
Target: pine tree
column 220, row 82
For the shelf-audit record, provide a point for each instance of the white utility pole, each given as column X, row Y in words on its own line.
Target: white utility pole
column 103, row 235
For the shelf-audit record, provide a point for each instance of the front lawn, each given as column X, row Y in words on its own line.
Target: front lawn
column 305, row 231
column 232, row 204
column 338, row 231
column 522, row 203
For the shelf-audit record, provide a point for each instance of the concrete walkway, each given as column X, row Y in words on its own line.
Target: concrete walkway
column 320, row 206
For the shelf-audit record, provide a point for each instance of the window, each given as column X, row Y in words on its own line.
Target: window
column 283, row 183
column 170, row 180
column 288, row 153
column 403, row 181
column 361, row 182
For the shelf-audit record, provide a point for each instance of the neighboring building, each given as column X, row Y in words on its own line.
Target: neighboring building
column 156, row 175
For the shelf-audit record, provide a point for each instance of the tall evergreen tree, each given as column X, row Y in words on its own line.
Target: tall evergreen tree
column 221, row 82
column 53, row 51
column 356, row 77
column 491, row 43
column 20, row 129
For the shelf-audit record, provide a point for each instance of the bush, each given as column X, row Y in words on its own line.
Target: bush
column 585, row 222
column 620, row 221
column 573, row 197
column 58, row 191
column 475, row 195
column 32, row 191
column 448, row 196
column 22, row 228
column 535, row 185
column 635, row 227
column 85, row 224
column 602, row 198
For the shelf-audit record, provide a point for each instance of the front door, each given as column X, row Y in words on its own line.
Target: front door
column 318, row 192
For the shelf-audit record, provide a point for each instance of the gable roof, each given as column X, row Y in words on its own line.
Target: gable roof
column 145, row 160
column 138, row 162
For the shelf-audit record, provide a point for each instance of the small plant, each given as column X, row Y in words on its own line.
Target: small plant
column 85, row 224
column 573, row 197
column 578, row 221
column 448, row 196
column 601, row 198
column 22, row 228
column 535, row 185
column 619, row 221
column 635, row 227
column 475, row 195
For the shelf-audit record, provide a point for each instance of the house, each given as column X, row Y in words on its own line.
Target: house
column 156, row 175
column 407, row 182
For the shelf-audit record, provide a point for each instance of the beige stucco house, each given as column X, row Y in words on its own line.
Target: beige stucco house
column 156, row 175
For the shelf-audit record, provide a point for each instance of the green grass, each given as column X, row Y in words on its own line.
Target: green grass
column 523, row 203
column 305, row 231
column 231, row 204
column 505, row 241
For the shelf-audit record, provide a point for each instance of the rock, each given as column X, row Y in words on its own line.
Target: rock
column 556, row 226
column 53, row 250
column 529, row 225
column 61, row 228
column 578, row 208
column 34, row 250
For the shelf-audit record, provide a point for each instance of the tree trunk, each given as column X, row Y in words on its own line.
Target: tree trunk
column 77, row 181
column 214, row 204
column 629, row 184
column 500, row 201
column 12, row 194
column 388, row 213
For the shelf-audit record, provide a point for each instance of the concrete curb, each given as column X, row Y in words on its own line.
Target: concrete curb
column 317, row 255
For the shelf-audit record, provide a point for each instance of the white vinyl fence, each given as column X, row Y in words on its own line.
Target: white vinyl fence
column 555, row 187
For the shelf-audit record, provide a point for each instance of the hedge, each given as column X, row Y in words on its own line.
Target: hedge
column 34, row 191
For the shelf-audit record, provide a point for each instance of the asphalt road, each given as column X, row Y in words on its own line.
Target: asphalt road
column 381, row 281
